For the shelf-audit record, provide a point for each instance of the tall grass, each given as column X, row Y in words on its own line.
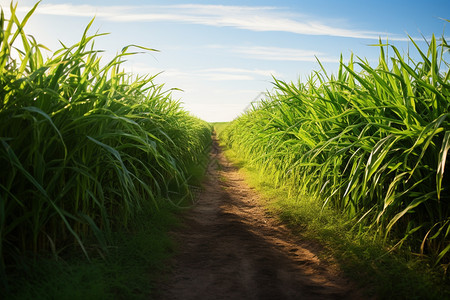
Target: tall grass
column 371, row 143
column 84, row 145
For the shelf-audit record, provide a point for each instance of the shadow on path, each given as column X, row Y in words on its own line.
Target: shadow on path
column 230, row 248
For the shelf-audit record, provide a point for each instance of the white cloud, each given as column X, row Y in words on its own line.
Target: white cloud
column 235, row 74
column 254, row 18
column 211, row 74
column 282, row 54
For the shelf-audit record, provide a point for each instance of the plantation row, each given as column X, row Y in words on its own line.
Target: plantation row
column 371, row 143
column 84, row 147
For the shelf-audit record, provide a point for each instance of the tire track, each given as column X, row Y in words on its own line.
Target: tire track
column 230, row 248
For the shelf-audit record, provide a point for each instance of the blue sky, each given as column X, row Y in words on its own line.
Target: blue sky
column 222, row 54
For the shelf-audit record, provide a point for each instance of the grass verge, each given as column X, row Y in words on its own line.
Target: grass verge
column 129, row 270
column 219, row 127
column 382, row 273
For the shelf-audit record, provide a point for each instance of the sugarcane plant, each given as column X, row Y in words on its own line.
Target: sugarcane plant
column 85, row 146
column 371, row 142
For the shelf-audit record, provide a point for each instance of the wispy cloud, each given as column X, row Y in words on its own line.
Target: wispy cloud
column 210, row 74
column 236, row 73
column 280, row 54
column 254, row 18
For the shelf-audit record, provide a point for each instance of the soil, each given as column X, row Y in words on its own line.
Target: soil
column 232, row 248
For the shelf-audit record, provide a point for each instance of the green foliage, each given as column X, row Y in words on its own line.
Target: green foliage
column 85, row 147
column 366, row 261
column 372, row 144
column 219, row 127
column 131, row 269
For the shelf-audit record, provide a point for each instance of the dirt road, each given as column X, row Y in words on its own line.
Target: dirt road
column 231, row 248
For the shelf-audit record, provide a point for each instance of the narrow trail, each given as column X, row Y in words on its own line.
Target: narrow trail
column 230, row 248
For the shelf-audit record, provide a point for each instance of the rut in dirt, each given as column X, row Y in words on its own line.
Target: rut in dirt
column 230, row 248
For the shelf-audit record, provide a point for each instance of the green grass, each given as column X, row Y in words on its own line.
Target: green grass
column 135, row 263
column 371, row 144
column 367, row 262
column 85, row 148
column 219, row 127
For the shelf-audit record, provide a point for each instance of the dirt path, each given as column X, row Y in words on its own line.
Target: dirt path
column 231, row 248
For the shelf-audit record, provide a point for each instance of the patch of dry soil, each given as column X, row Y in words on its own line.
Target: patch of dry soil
column 230, row 248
